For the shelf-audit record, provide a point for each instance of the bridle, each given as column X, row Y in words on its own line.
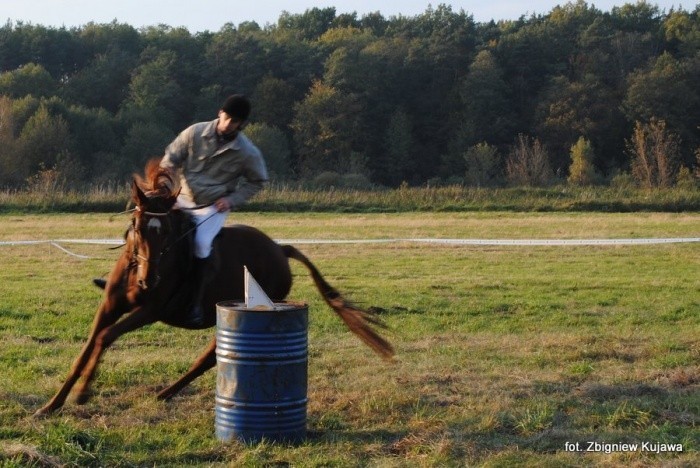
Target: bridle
column 137, row 260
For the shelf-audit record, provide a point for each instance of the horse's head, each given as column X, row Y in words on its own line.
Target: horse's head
column 150, row 227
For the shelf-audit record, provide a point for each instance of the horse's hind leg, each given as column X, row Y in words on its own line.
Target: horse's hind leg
column 205, row 362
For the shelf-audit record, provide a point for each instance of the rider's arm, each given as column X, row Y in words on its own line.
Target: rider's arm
column 178, row 150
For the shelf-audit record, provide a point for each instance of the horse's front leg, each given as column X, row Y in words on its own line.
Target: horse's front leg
column 104, row 317
column 205, row 362
column 138, row 318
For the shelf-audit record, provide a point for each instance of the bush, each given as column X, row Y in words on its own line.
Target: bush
column 326, row 180
column 355, row 181
column 622, row 181
column 686, row 180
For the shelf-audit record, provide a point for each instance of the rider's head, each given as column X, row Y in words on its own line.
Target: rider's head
column 237, row 106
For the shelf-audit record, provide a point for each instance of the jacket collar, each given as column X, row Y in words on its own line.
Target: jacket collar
column 209, row 132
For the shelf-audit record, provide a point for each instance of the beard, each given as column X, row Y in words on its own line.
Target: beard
column 229, row 136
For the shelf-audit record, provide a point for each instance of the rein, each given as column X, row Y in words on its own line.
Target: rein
column 183, row 235
column 166, row 249
column 137, row 260
column 151, row 213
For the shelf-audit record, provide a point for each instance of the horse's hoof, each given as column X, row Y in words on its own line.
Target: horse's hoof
column 82, row 398
column 164, row 396
column 43, row 411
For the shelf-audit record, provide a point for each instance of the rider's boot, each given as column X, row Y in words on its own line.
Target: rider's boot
column 202, row 273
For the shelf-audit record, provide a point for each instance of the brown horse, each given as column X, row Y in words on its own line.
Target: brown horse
column 147, row 282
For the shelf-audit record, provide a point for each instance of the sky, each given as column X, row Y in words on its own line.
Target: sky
column 211, row 15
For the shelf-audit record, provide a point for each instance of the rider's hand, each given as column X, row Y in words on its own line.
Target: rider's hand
column 222, row 205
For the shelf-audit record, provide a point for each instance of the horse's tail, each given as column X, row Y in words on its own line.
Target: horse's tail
column 357, row 320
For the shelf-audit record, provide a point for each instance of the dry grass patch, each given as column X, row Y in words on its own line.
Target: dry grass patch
column 16, row 453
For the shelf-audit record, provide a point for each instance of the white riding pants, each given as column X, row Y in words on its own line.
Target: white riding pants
column 209, row 222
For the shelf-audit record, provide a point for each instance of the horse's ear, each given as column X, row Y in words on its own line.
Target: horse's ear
column 137, row 194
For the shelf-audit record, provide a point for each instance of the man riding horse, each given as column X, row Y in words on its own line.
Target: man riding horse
column 147, row 280
column 219, row 169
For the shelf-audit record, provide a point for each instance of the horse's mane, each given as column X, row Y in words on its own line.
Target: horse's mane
column 157, row 181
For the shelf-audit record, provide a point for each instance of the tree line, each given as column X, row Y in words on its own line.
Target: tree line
column 577, row 93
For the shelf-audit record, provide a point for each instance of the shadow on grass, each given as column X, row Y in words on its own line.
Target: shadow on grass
column 12, row 314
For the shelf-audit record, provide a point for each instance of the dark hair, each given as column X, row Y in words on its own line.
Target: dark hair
column 237, row 106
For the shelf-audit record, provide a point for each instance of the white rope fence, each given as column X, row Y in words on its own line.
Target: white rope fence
column 526, row 242
column 497, row 242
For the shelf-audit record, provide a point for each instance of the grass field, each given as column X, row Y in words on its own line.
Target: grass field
column 506, row 355
column 285, row 198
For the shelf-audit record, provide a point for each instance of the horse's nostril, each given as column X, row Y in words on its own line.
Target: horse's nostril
column 142, row 284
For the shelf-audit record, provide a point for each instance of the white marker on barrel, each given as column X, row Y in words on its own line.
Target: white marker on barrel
column 255, row 297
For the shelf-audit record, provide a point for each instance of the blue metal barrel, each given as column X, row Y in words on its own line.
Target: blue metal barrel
column 262, row 367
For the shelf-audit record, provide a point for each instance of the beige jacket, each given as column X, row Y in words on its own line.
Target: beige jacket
column 208, row 172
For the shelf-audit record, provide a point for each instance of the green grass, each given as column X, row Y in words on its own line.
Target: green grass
column 285, row 198
column 504, row 353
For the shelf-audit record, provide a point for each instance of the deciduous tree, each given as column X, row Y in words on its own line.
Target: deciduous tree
column 665, row 92
column 325, row 128
column 654, row 153
column 582, row 171
column 528, row 163
column 483, row 166
column 9, row 166
column 275, row 148
column 43, row 138
column 29, row 79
